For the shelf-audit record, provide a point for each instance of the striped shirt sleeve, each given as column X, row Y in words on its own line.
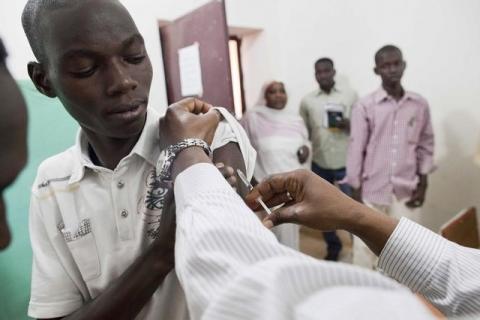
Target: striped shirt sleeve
column 359, row 135
column 231, row 267
column 445, row 273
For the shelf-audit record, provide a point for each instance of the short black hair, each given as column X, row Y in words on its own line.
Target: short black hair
column 33, row 15
column 324, row 60
column 3, row 54
column 386, row 48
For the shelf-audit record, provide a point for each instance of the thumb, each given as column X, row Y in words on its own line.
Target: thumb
column 211, row 120
column 289, row 214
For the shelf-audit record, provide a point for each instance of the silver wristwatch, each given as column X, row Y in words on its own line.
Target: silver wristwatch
column 165, row 173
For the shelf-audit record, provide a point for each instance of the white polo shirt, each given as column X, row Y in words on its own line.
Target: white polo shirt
column 88, row 224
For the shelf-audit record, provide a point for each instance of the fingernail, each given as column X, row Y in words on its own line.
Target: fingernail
column 219, row 165
column 268, row 224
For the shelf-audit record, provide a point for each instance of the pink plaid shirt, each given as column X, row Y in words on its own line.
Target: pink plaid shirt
column 390, row 144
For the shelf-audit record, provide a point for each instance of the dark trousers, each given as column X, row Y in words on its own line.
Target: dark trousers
column 334, row 245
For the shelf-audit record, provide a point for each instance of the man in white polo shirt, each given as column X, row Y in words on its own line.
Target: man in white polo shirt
column 101, row 249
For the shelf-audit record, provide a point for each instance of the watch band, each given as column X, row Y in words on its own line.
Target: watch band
column 165, row 173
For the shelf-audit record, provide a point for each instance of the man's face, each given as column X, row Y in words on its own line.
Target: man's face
column 98, row 67
column 13, row 142
column 390, row 67
column 325, row 73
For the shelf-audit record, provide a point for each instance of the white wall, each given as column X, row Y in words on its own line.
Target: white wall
column 441, row 43
column 440, row 40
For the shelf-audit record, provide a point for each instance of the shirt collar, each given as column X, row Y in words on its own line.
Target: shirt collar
column 382, row 95
column 147, row 147
column 335, row 88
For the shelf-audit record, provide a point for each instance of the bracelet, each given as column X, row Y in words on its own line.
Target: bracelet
column 165, row 174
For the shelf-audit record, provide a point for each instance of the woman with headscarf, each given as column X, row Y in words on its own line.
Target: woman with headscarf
column 281, row 140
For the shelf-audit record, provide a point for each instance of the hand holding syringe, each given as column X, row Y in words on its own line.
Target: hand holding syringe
column 250, row 187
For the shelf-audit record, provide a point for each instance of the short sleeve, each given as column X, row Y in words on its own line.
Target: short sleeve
column 230, row 130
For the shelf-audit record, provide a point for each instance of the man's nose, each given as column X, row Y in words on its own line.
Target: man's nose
column 120, row 80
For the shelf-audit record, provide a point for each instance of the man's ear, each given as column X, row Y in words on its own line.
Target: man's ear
column 334, row 72
column 40, row 80
column 375, row 70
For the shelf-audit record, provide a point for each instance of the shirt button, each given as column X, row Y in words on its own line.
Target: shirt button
column 124, row 213
column 394, row 150
column 394, row 164
column 120, row 184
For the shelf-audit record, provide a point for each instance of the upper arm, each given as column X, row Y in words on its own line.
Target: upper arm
column 304, row 114
column 427, row 129
column 231, row 156
column 359, row 126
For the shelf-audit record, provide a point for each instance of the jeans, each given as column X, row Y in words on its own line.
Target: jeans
column 334, row 245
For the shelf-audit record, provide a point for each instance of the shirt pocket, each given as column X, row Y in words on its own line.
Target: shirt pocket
column 83, row 247
column 414, row 122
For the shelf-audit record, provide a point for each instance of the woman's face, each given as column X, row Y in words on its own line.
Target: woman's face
column 275, row 96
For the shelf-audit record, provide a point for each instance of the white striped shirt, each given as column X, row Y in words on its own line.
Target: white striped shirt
column 231, row 267
column 447, row 274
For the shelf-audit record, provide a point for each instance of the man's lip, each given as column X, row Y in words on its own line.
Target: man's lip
column 125, row 107
column 395, row 76
column 131, row 113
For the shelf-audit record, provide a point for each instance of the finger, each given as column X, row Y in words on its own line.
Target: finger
column 268, row 188
column 211, row 119
column 201, row 106
column 278, row 199
column 225, row 170
column 287, row 214
column 276, row 187
column 232, row 180
column 192, row 105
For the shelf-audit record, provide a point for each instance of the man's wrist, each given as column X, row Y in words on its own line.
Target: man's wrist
column 354, row 213
column 373, row 227
column 187, row 158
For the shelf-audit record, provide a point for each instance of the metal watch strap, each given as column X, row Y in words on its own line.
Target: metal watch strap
column 165, row 174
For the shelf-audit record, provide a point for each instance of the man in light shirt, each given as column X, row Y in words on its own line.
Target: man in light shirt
column 326, row 112
column 102, row 248
column 231, row 267
column 391, row 147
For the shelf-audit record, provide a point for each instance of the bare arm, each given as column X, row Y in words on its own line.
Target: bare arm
column 231, row 156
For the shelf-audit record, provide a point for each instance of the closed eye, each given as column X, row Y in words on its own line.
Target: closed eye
column 135, row 59
column 85, row 73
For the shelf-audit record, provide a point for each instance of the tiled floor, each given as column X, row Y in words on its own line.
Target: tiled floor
column 312, row 243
